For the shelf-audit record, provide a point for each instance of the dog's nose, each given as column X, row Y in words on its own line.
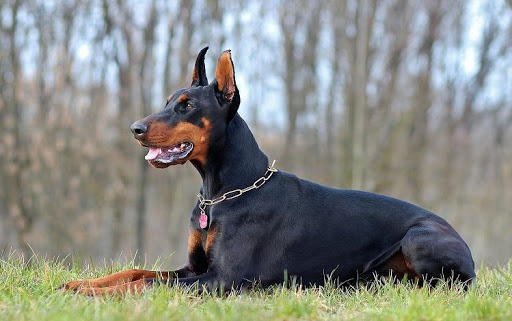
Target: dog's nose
column 138, row 129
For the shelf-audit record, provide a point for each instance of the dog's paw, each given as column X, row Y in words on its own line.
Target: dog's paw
column 72, row 285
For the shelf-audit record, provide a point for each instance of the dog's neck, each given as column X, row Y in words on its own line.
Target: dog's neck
column 237, row 164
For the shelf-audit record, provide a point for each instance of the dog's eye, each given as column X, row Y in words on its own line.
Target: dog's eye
column 183, row 107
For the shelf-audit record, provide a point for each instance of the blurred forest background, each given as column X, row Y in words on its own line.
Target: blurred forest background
column 408, row 98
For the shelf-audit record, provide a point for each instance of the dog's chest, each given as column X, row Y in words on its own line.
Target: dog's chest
column 209, row 238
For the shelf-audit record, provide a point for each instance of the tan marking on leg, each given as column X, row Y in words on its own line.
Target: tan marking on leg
column 133, row 287
column 400, row 266
column 116, row 279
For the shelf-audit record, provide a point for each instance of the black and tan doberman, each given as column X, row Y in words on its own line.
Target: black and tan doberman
column 255, row 223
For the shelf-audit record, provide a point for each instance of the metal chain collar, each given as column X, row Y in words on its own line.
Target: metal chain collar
column 237, row 192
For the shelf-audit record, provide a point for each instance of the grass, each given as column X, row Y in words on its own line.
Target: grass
column 27, row 292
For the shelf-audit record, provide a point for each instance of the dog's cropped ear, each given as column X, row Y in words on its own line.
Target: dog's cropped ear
column 225, row 75
column 199, row 74
column 225, row 84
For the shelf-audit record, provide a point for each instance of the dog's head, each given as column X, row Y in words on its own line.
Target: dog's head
column 194, row 118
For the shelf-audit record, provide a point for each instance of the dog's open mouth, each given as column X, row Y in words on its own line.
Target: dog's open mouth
column 167, row 155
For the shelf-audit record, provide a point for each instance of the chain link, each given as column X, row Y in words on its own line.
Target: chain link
column 238, row 192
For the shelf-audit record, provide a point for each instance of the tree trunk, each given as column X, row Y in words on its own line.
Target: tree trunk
column 360, row 80
column 146, row 79
column 419, row 120
column 20, row 213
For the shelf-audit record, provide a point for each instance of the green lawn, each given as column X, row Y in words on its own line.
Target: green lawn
column 28, row 293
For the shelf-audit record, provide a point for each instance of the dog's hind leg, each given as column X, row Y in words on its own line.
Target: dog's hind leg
column 435, row 251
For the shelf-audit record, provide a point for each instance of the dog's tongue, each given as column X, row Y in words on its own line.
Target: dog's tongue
column 152, row 154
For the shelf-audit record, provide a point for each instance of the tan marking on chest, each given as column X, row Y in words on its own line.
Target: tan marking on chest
column 210, row 239
column 194, row 240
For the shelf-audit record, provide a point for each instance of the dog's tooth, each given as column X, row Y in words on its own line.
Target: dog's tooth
column 160, row 151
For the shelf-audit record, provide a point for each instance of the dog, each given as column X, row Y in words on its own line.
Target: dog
column 254, row 223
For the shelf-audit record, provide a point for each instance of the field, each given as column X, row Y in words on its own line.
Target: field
column 27, row 292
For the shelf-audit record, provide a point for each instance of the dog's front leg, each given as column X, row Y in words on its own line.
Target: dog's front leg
column 197, row 265
column 208, row 281
column 127, row 276
column 211, row 282
column 132, row 287
column 120, row 278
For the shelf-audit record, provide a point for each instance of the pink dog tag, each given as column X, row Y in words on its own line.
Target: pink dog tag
column 203, row 220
